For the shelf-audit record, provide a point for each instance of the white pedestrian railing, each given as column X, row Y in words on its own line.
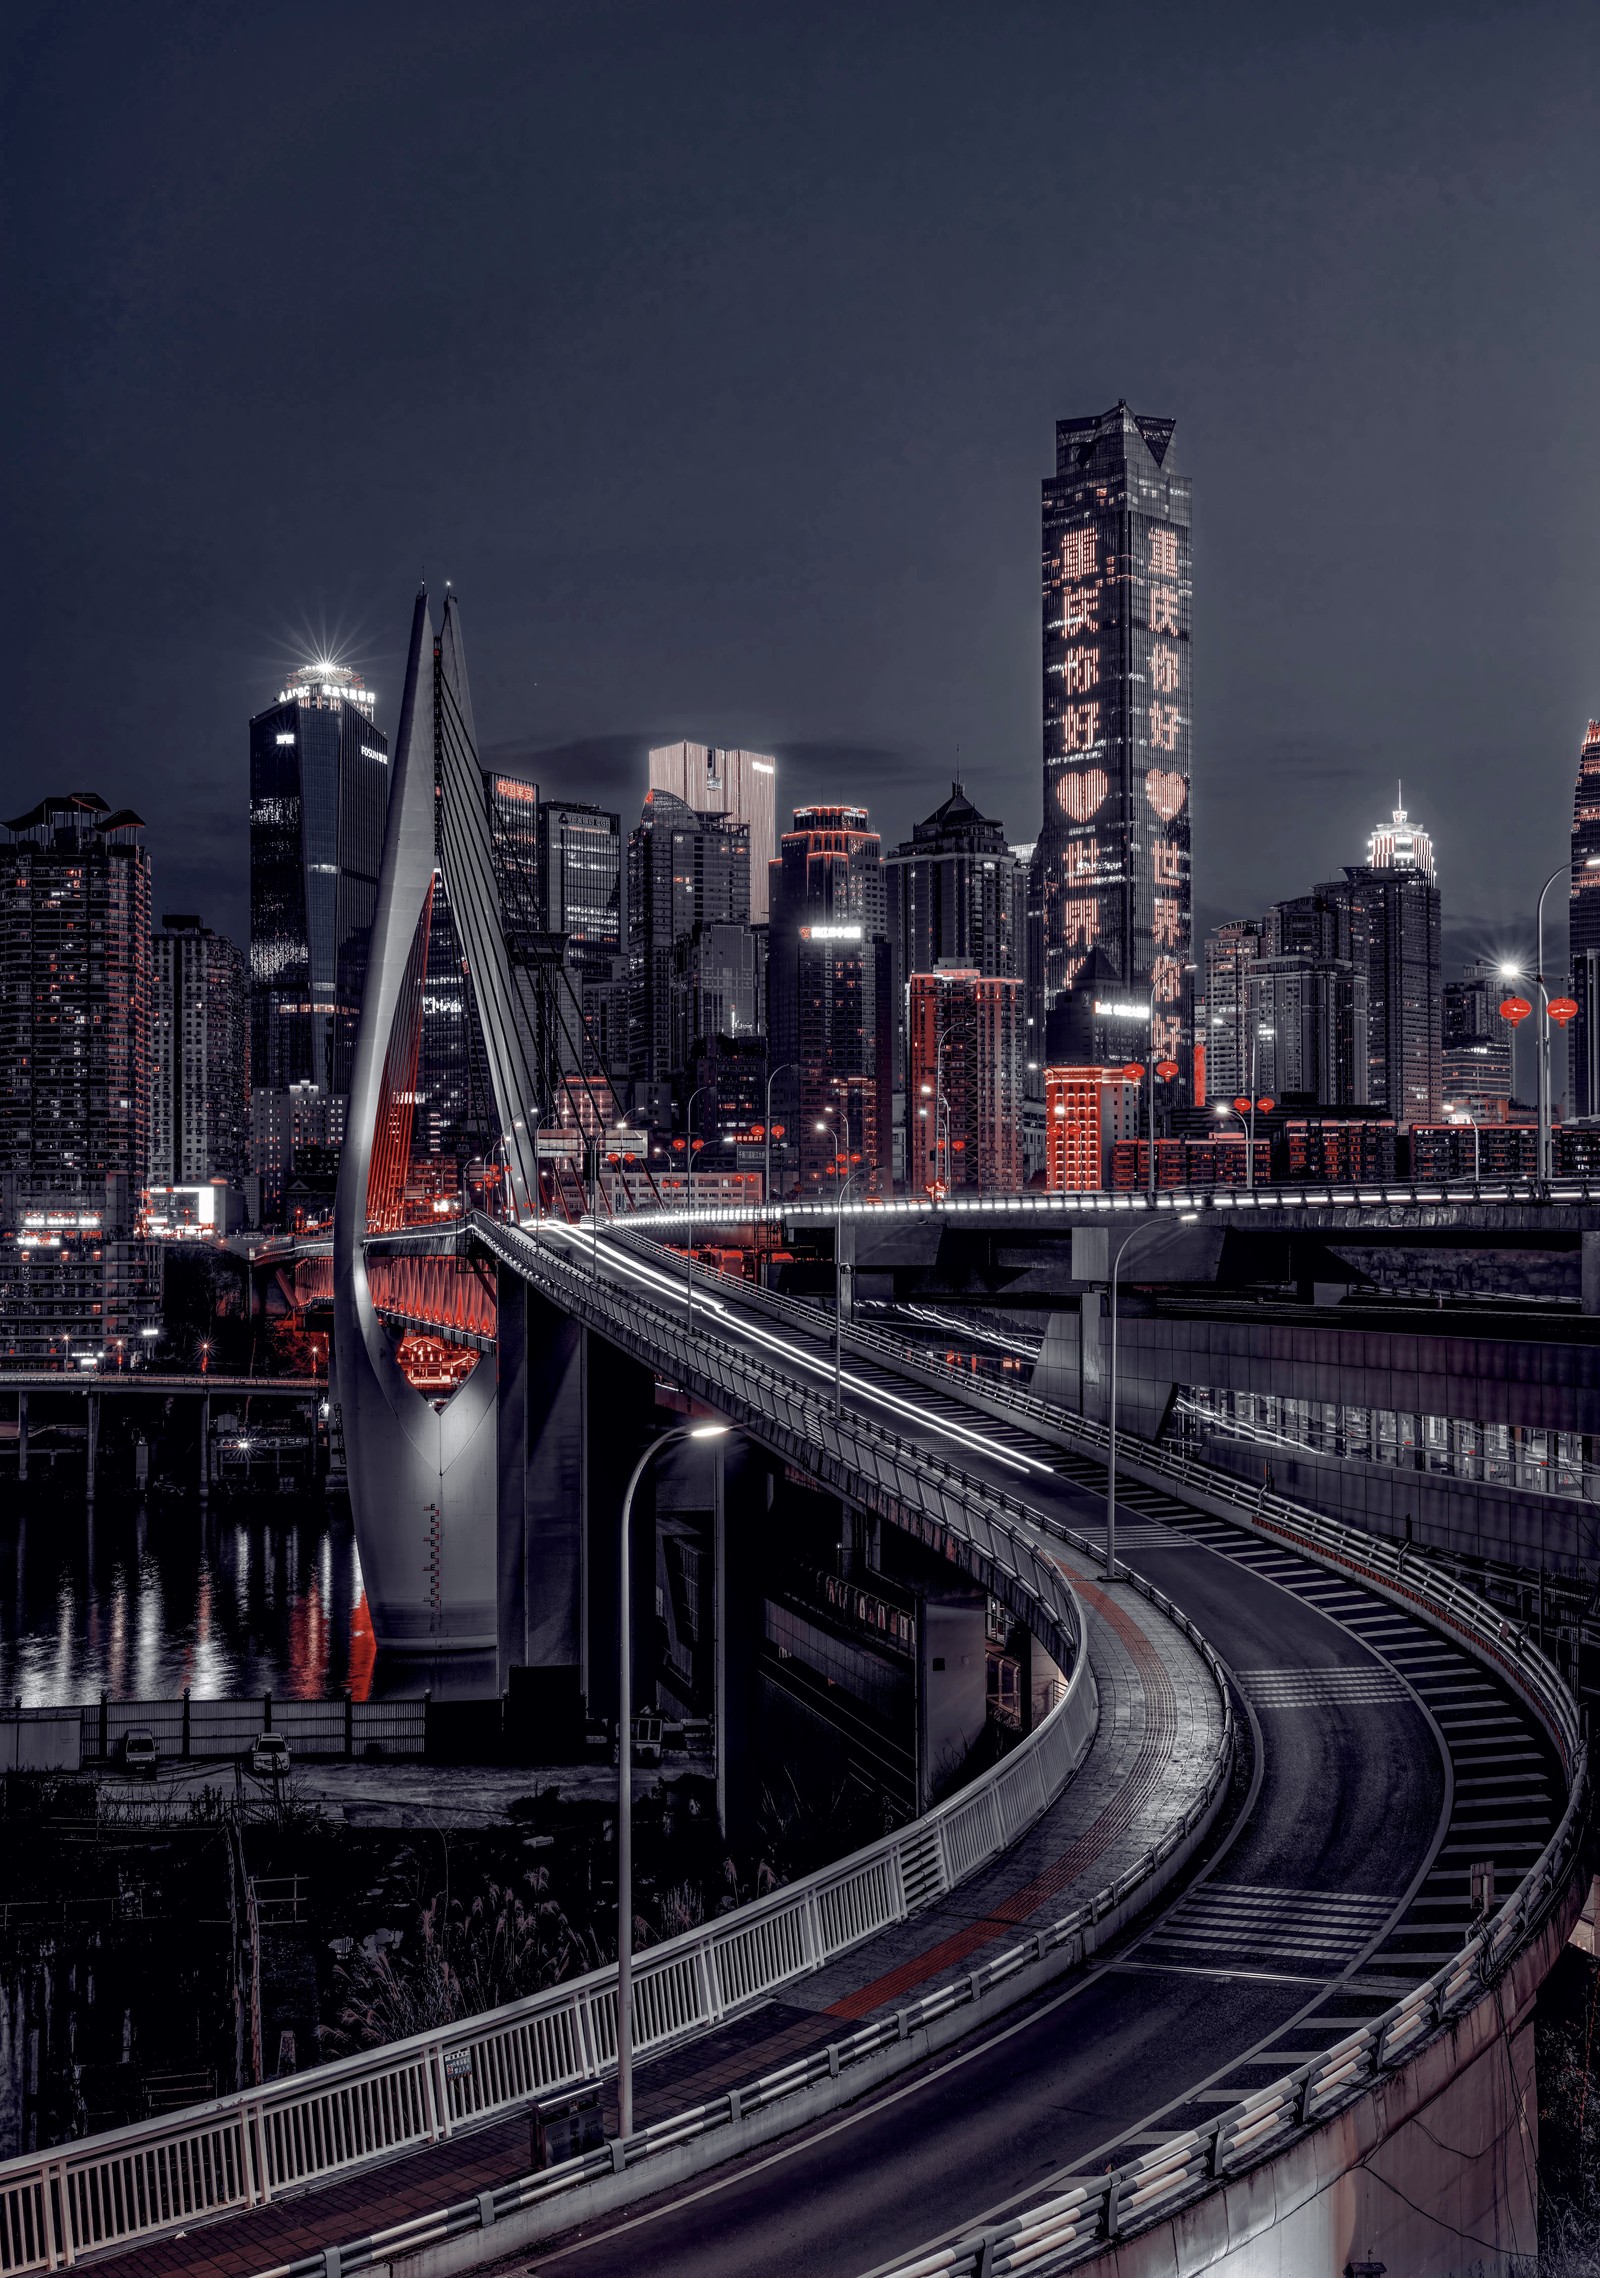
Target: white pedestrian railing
column 247, row 2149
column 1075, row 2224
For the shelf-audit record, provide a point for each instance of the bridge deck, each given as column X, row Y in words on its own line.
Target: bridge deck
column 1160, row 1727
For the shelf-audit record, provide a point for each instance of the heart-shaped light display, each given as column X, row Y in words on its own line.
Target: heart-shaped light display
column 1166, row 791
column 1082, row 794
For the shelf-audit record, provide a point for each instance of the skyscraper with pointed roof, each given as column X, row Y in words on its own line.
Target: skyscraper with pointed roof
column 1117, row 595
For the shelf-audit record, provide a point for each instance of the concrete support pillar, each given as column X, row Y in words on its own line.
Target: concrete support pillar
column 94, row 1443
column 540, row 1472
column 620, row 1418
column 746, row 1528
column 1591, row 1273
column 22, row 1436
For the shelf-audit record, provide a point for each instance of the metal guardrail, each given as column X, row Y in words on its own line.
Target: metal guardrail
column 1067, row 1936
column 244, row 2150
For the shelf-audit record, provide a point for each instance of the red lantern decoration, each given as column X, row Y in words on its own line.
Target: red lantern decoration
column 1133, row 1073
column 1563, row 1009
column 1515, row 1009
column 699, row 1143
column 677, row 1146
column 1266, row 1105
column 777, row 1131
column 1166, row 1070
column 1243, row 1106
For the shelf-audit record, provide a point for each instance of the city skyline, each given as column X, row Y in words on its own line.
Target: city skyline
column 813, row 517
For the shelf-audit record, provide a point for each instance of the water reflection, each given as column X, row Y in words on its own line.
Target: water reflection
column 141, row 1603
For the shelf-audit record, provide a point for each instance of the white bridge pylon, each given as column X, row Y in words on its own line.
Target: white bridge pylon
column 422, row 1469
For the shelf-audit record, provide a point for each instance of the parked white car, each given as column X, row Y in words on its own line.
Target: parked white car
column 269, row 1755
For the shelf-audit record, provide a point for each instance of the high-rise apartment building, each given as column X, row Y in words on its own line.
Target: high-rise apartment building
column 1117, row 593
column 686, row 871
column 742, row 785
column 964, row 1093
column 1477, row 1046
column 75, row 1005
column 1087, row 1111
column 1230, row 954
column 319, row 788
column 1310, row 1018
column 829, row 981
column 1583, row 1090
column 199, row 1055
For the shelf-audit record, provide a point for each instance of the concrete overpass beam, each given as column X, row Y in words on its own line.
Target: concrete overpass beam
column 539, row 1426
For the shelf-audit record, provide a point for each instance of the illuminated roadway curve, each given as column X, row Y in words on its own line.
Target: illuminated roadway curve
column 1342, row 1883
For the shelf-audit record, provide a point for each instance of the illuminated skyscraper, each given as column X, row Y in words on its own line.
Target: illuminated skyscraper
column 75, row 1005
column 1584, row 921
column 687, row 872
column 319, row 788
column 828, row 994
column 1385, row 913
column 740, row 784
column 580, row 882
column 199, row 1056
column 1114, row 846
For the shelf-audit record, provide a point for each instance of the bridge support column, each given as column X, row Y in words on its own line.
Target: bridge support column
column 540, row 1473
column 22, row 1437
column 620, row 1419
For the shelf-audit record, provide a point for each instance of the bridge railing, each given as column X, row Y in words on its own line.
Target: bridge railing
column 244, row 2150
column 1403, row 1570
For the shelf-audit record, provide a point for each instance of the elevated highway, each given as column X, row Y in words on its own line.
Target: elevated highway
column 1398, row 1735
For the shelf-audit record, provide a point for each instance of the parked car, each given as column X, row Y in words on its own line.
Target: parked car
column 269, row 1755
column 139, row 1753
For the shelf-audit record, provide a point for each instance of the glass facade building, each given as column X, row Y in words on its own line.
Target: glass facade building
column 1583, row 1091
column 579, row 883
column 740, row 784
column 1117, row 598
column 829, row 1011
column 319, row 790
column 199, row 1055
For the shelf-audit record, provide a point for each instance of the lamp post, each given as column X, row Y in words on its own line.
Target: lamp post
column 1151, row 1226
column 625, row 1769
column 688, row 1199
column 789, row 1068
column 1514, row 973
column 838, row 1262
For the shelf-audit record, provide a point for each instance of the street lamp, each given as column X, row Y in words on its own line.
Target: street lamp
column 625, row 1770
column 1151, row 1226
column 789, row 1068
column 838, row 1262
column 688, row 1199
column 1512, row 973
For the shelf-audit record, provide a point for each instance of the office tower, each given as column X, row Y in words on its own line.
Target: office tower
column 580, row 871
column 75, row 1005
column 1387, row 911
column 1230, row 952
column 199, row 1055
column 686, row 871
column 829, row 981
column 516, row 838
column 319, row 787
column 1114, row 846
column 1583, row 1091
column 740, row 784
column 1087, row 1112
column 1310, row 1017
column 951, row 897
column 964, row 1092
column 1477, row 1046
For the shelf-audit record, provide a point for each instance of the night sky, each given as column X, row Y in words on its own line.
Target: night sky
column 714, row 351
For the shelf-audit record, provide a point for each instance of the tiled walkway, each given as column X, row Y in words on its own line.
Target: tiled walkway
column 1160, row 1728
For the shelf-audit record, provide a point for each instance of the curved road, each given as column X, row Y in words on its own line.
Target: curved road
column 1381, row 1763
